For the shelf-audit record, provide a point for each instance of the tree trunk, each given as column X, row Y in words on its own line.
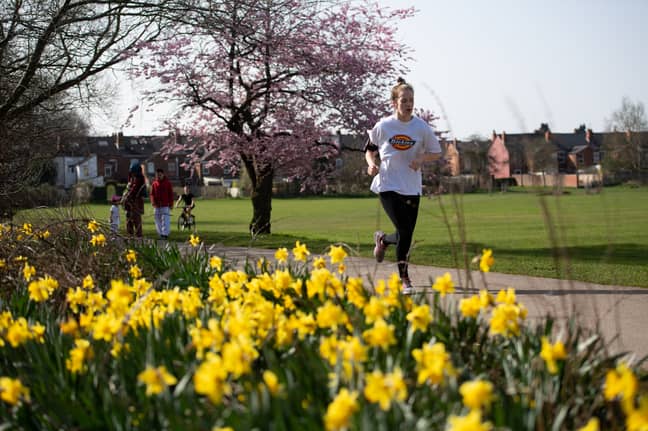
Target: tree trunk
column 261, row 203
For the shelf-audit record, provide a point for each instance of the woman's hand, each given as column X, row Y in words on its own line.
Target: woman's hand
column 372, row 169
column 415, row 164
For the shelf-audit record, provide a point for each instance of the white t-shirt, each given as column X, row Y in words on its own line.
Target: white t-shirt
column 399, row 143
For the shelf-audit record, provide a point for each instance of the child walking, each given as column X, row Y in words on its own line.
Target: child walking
column 114, row 214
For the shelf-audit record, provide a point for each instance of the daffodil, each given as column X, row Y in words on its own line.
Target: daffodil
column 216, row 263
column 156, row 379
column 281, row 255
column 98, row 240
column 93, row 226
column 28, row 271
column 432, row 363
column 79, row 355
column 470, row 307
column 135, row 271
column 477, row 394
column 384, row 388
column 471, row 422
column 339, row 412
column 380, row 335
column 637, row 419
column 621, row 382
column 337, row 254
column 131, row 256
column 330, row 315
column 552, row 352
column 210, row 379
column 420, row 317
column 591, row 425
column 12, row 391
column 300, row 252
column 194, row 240
column 319, row 262
column 486, row 260
column 88, row 282
column 444, row 284
column 272, row 382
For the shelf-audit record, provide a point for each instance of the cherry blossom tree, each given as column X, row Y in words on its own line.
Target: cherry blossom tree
column 263, row 82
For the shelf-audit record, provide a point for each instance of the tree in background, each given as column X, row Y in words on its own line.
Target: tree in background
column 47, row 50
column 263, row 82
column 626, row 149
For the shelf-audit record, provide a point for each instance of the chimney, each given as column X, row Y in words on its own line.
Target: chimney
column 118, row 139
column 503, row 137
column 547, row 136
column 588, row 135
column 493, row 136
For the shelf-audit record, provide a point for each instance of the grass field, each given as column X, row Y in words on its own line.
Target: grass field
column 599, row 238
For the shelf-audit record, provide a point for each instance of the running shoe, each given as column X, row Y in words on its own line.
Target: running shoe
column 379, row 249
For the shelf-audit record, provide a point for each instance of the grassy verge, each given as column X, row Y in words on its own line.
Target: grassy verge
column 599, row 238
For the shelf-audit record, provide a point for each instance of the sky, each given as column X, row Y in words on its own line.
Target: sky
column 503, row 65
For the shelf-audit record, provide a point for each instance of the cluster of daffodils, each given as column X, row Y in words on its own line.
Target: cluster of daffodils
column 506, row 314
column 17, row 331
column 379, row 348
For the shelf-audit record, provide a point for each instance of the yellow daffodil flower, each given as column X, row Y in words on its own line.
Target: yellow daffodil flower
column 337, row 254
column 281, row 255
column 12, row 391
column 477, row 394
column 194, row 240
column 300, row 252
column 156, row 379
column 339, row 412
column 471, row 422
column 552, row 352
column 486, row 260
column 444, row 284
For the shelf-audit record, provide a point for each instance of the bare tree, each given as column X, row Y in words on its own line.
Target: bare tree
column 630, row 116
column 626, row 150
column 48, row 48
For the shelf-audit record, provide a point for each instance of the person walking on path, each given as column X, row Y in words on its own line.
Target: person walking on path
column 133, row 200
column 404, row 142
column 162, row 201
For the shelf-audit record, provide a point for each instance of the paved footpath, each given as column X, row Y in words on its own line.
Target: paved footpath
column 620, row 312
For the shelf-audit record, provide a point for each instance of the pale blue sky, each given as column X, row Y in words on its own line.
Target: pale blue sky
column 509, row 65
column 513, row 64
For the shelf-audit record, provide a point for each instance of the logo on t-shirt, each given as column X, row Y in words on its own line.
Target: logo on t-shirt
column 401, row 142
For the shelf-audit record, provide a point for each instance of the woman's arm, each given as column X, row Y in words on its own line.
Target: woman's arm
column 372, row 167
column 424, row 158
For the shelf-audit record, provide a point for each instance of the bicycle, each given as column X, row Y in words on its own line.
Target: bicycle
column 186, row 222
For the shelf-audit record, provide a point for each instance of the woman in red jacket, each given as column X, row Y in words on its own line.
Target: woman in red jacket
column 162, row 201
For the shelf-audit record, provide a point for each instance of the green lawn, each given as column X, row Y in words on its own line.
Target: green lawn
column 600, row 238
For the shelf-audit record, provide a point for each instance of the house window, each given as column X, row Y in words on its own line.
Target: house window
column 71, row 169
column 171, row 169
column 108, row 170
column 150, row 168
column 339, row 163
column 581, row 159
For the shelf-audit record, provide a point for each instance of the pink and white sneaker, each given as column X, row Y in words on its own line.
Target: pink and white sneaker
column 379, row 249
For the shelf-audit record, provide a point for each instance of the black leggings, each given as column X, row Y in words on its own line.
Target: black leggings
column 402, row 210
